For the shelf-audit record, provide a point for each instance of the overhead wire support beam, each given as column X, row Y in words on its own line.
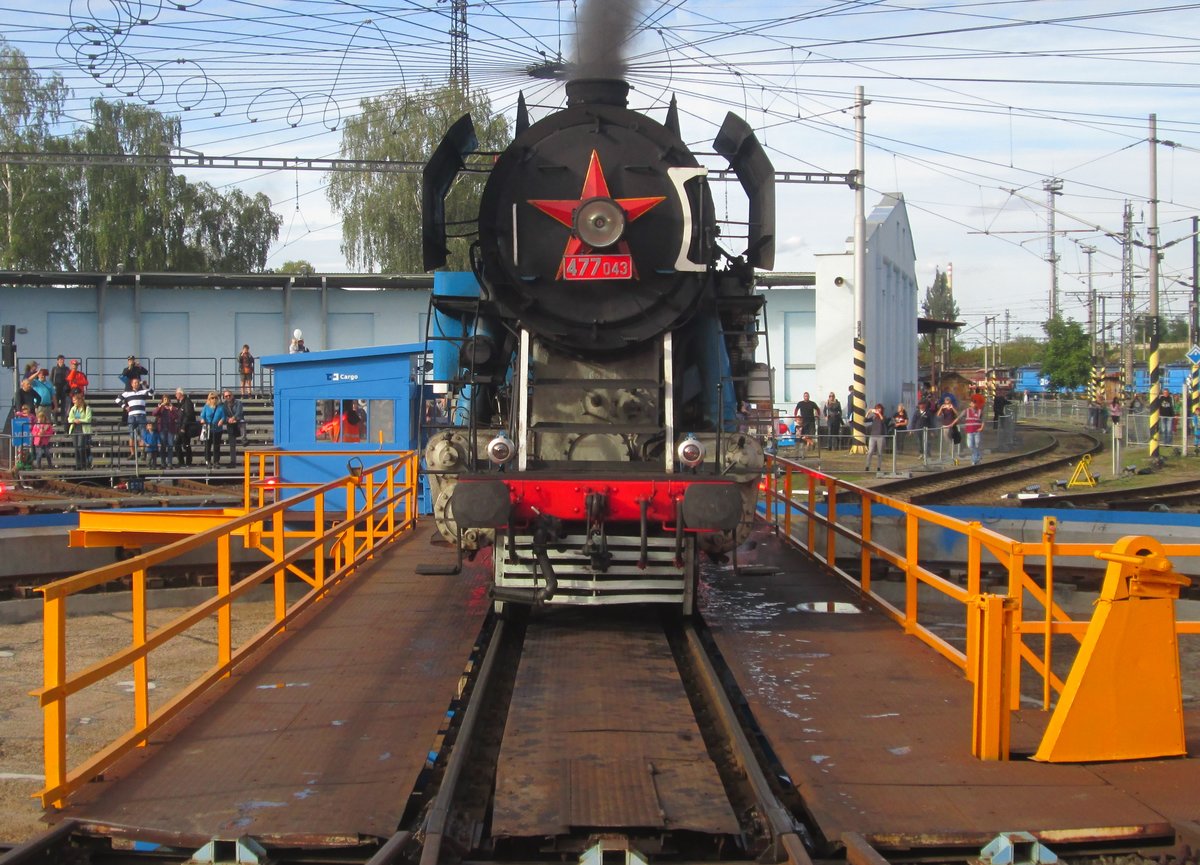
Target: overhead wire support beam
column 270, row 163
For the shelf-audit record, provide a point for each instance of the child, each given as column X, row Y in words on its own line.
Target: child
column 43, row 432
column 151, row 439
column 22, row 423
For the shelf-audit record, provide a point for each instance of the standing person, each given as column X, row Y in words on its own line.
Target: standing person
column 133, row 370
column 850, row 408
column 922, row 423
column 189, row 428
column 62, row 390
column 1166, row 417
column 211, row 416
column 297, row 345
column 972, row 425
column 79, row 421
column 134, row 401
column 1114, row 414
column 900, row 426
column 948, row 418
column 876, row 429
column 805, row 415
column 246, row 368
column 42, row 434
column 833, row 420
column 26, row 398
column 999, row 407
column 44, row 390
column 153, row 442
column 77, row 382
column 166, row 423
column 233, row 423
column 1195, row 426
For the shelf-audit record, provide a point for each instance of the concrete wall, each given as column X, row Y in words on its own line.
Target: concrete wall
column 188, row 336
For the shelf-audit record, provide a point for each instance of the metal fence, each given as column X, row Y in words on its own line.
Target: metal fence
column 193, row 374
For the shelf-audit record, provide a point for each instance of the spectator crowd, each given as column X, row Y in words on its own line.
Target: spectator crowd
column 161, row 430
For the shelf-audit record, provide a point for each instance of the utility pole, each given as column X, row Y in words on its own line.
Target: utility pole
column 459, row 74
column 1053, row 187
column 1128, row 380
column 1194, row 319
column 858, row 415
column 1089, row 251
column 1152, row 231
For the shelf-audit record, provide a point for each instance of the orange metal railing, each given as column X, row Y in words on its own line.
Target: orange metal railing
column 379, row 506
column 805, row 505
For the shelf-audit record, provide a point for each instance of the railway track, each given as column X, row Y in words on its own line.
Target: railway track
column 582, row 735
column 1006, row 473
column 612, row 733
column 1156, row 497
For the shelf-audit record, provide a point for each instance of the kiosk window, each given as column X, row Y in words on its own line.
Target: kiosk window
column 355, row 421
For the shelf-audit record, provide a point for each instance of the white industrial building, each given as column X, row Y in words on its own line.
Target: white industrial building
column 811, row 328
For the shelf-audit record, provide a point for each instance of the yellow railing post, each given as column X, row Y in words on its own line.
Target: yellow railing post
column 912, row 561
column 1015, row 591
column 864, row 559
column 974, row 581
column 225, row 613
column 54, row 676
column 278, row 541
column 141, row 665
column 787, row 501
column 831, row 516
column 318, row 531
column 370, row 508
column 349, row 537
column 1049, row 530
column 391, row 492
column 812, row 509
column 991, row 722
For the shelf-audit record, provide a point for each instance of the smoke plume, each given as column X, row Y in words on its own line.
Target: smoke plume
column 604, row 29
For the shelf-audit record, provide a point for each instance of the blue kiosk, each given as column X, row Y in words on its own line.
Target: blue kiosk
column 346, row 399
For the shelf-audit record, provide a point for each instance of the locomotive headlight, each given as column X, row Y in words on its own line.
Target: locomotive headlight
column 500, row 449
column 599, row 222
column 690, row 451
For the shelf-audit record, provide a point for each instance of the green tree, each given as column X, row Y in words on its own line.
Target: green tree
column 1022, row 351
column 128, row 211
column 300, row 268
column 939, row 304
column 1067, row 360
column 381, row 212
column 153, row 219
column 37, row 213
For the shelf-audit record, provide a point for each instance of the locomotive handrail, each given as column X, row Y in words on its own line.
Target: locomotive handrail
column 813, row 511
column 351, row 534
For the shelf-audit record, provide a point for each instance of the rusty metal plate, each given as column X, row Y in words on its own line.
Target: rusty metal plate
column 321, row 742
column 614, row 793
column 600, row 688
column 874, row 728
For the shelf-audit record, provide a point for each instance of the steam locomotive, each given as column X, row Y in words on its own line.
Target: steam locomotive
column 589, row 371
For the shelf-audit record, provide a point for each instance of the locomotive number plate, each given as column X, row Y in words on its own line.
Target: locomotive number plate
column 597, row 267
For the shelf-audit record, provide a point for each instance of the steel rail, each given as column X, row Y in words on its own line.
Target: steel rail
column 779, row 818
column 439, row 812
column 967, row 479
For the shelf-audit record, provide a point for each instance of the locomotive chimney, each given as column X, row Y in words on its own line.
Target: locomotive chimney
column 606, row 91
column 605, row 28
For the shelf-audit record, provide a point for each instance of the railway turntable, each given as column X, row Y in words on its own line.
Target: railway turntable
column 318, row 744
column 873, row 730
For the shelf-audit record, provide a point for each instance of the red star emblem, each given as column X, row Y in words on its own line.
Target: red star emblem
column 594, row 186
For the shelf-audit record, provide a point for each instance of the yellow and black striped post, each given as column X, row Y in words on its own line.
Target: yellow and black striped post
column 1155, row 390
column 1193, row 399
column 857, row 428
column 1098, row 392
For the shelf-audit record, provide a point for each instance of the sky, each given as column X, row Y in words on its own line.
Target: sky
column 975, row 108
